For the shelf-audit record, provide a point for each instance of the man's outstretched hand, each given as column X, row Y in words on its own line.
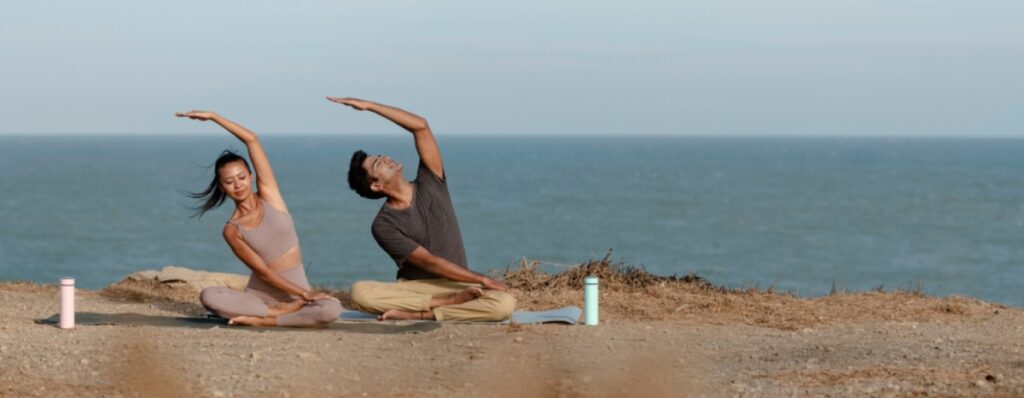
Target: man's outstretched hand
column 355, row 103
column 492, row 284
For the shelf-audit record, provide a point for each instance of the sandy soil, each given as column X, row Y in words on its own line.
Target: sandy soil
column 944, row 347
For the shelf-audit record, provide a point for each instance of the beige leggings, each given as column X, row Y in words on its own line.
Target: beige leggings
column 259, row 296
column 379, row 297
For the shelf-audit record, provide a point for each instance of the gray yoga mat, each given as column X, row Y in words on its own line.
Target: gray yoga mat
column 92, row 318
column 567, row 315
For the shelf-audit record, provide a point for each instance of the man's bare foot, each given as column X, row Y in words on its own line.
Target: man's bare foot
column 285, row 308
column 399, row 315
column 252, row 321
column 469, row 294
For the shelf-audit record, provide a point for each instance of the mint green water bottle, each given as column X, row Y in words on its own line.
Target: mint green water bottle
column 590, row 301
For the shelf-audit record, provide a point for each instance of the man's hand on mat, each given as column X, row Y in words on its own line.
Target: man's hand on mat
column 492, row 284
column 197, row 115
column 355, row 103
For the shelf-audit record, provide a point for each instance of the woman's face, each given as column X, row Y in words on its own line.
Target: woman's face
column 235, row 180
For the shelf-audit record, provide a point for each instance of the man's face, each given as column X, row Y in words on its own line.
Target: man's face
column 381, row 170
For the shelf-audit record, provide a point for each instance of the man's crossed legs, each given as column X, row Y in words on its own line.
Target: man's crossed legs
column 440, row 299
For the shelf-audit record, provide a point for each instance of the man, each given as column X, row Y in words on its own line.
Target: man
column 417, row 227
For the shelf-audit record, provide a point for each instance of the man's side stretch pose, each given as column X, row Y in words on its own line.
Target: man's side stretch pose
column 416, row 226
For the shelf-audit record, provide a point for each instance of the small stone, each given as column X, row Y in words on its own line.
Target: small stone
column 103, row 359
column 518, row 339
column 3, row 348
column 305, row 355
column 218, row 394
column 84, row 361
column 980, row 383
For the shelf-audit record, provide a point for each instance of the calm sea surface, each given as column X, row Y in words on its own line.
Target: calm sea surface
column 798, row 214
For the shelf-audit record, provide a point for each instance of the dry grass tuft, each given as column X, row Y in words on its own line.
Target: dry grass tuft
column 614, row 276
column 629, row 292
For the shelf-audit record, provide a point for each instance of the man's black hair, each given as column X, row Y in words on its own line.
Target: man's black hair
column 358, row 179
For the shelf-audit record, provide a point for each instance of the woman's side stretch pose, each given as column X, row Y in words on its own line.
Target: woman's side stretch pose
column 261, row 233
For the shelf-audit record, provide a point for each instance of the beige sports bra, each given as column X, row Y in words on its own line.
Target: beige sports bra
column 275, row 235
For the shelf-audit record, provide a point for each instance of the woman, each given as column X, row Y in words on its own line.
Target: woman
column 262, row 235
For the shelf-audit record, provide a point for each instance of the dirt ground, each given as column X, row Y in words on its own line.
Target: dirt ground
column 666, row 338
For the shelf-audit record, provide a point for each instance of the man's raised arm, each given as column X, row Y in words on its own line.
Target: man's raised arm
column 426, row 146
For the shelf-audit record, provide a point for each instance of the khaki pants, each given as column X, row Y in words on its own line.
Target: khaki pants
column 379, row 297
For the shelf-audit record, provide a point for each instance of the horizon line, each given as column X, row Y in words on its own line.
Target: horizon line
column 530, row 134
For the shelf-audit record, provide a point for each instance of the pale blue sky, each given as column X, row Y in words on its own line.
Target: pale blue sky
column 523, row 67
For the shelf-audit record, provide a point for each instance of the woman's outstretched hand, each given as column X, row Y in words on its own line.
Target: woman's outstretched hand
column 355, row 103
column 197, row 115
column 311, row 296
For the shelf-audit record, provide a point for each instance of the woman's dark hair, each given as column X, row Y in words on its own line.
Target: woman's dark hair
column 358, row 179
column 213, row 196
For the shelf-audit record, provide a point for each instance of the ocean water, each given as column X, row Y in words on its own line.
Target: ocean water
column 797, row 214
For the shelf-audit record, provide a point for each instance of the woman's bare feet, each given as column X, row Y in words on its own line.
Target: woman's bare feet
column 253, row 321
column 468, row 294
column 399, row 315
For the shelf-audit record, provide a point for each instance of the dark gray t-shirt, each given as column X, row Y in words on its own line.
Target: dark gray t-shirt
column 430, row 222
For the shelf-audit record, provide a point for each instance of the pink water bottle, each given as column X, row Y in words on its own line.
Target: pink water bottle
column 67, row 303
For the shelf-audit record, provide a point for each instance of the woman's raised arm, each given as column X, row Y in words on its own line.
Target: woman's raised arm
column 266, row 184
